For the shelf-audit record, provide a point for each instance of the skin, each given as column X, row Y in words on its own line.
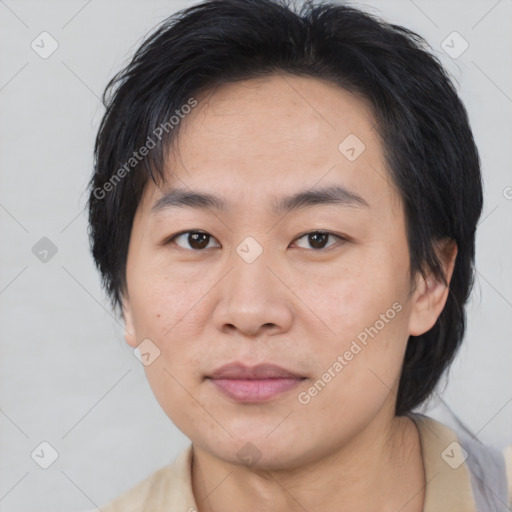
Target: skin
column 297, row 305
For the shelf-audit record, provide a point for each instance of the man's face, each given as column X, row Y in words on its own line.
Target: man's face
column 263, row 286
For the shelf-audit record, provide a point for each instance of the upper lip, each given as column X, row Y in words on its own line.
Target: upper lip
column 260, row 371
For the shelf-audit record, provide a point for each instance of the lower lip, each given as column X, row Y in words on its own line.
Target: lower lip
column 258, row 390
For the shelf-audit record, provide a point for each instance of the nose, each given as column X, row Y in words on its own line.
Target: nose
column 254, row 298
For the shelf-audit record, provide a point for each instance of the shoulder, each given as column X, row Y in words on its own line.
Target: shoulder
column 507, row 455
column 462, row 468
column 167, row 488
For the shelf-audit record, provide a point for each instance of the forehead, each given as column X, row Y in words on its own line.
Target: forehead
column 254, row 139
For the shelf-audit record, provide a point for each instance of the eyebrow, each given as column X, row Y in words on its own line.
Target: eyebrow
column 334, row 194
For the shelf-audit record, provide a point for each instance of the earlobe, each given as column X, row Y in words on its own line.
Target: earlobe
column 431, row 293
column 129, row 331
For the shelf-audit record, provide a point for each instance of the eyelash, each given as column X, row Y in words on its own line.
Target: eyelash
column 171, row 239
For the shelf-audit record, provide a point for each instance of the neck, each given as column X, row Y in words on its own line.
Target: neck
column 380, row 469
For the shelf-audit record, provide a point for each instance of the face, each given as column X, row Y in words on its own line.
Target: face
column 319, row 287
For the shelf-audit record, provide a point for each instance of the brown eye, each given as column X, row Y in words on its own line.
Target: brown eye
column 196, row 240
column 199, row 240
column 318, row 239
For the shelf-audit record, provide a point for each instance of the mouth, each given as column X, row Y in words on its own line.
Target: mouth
column 254, row 384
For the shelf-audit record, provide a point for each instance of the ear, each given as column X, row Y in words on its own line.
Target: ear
column 129, row 331
column 430, row 294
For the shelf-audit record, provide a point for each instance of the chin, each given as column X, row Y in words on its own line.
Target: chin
column 258, row 451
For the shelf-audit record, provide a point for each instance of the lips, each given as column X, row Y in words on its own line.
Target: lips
column 258, row 383
column 260, row 371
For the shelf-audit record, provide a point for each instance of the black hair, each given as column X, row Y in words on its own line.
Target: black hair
column 427, row 141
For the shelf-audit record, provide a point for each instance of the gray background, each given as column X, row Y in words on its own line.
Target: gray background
column 67, row 376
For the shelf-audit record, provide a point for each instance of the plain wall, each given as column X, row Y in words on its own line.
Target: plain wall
column 67, row 376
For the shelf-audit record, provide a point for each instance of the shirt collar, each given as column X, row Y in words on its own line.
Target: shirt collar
column 448, row 481
column 448, row 484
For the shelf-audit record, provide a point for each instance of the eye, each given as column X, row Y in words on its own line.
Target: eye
column 318, row 239
column 197, row 240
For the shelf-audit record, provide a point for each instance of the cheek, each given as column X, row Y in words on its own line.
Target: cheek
column 167, row 377
column 165, row 302
column 360, row 372
column 353, row 296
column 366, row 312
column 166, row 309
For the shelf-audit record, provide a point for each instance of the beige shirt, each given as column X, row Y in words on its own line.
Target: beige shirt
column 448, row 487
